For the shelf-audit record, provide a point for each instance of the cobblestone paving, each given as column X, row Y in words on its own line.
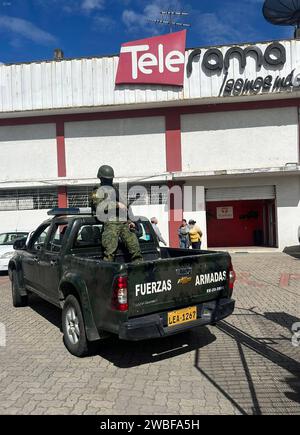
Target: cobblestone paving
column 245, row 365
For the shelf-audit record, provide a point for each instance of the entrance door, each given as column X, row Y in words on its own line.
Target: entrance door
column 241, row 216
column 235, row 223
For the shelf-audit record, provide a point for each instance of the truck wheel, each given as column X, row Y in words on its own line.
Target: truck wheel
column 73, row 328
column 18, row 300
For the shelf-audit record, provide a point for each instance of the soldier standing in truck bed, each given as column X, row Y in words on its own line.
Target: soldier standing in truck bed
column 112, row 210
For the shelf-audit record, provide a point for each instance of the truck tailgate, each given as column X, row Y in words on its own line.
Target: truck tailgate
column 173, row 283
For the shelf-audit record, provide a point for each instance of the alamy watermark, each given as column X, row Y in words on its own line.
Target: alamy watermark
column 176, row 196
column 2, row 335
column 296, row 334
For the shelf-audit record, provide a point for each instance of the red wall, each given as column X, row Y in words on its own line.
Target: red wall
column 236, row 231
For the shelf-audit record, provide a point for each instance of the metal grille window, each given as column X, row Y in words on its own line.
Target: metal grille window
column 79, row 196
column 139, row 194
column 159, row 194
column 148, row 194
column 28, row 199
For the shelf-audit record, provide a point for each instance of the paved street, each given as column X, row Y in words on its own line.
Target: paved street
column 245, row 365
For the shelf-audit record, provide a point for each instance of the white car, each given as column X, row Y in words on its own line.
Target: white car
column 6, row 247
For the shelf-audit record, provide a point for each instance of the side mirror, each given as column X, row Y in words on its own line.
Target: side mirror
column 20, row 244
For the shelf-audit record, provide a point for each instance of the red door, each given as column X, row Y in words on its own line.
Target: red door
column 235, row 223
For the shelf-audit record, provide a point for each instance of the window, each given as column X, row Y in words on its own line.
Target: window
column 89, row 236
column 57, row 238
column 139, row 194
column 148, row 194
column 28, row 199
column 143, row 232
column 37, row 240
column 9, row 238
column 40, row 241
column 79, row 196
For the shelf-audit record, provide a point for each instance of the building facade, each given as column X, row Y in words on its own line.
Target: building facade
column 229, row 138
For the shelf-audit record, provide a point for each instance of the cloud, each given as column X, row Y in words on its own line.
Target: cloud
column 74, row 6
column 139, row 21
column 17, row 27
column 103, row 23
column 231, row 23
column 133, row 20
column 216, row 30
column 91, row 5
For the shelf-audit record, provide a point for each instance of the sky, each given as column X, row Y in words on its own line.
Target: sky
column 30, row 30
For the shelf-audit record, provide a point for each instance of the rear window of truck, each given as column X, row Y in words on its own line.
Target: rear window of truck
column 90, row 236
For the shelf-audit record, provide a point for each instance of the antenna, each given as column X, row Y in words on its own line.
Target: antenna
column 171, row 19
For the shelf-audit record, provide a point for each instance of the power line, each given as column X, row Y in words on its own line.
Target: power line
column 171, row 22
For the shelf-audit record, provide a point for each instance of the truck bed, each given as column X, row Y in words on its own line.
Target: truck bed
column 173, row 278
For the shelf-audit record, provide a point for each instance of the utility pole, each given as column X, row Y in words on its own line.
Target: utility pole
column 171, row 19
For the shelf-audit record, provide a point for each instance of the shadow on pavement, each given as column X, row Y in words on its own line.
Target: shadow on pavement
column 293, row 251
column 213, row 379
column 46, row 310
column 282, row 319
column 294, row 384
column 126, row 354
column 244, row 340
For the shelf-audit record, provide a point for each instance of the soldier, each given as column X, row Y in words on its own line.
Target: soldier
column 112, row 210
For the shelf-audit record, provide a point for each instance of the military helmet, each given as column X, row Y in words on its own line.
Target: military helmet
column 106, row 172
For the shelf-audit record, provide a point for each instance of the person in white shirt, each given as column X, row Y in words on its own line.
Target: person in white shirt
column 154, row 222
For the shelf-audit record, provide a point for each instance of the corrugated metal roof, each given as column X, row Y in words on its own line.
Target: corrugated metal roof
column 90, row 83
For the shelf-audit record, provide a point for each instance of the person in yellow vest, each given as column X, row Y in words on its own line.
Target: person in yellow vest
column 195, row 235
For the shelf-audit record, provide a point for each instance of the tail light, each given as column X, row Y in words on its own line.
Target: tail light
column 231, row 278
column 120, row 301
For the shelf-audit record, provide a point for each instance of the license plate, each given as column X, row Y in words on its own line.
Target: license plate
column 182, row 316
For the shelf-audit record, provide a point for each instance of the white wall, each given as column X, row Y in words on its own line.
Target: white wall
column 159, row 211
column 28, row 152
column 288, row 202
column 21, row 220
column 133, row 147
column 239, row 140
column 288, row 211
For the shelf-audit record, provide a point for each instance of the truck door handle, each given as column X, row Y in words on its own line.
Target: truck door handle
column 53, row 263
column 36, row 259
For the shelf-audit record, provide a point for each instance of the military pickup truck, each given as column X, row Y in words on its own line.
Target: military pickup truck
column 171, row 291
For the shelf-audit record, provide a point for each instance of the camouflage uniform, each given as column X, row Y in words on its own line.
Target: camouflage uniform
column 110, row 241
column 115, row 225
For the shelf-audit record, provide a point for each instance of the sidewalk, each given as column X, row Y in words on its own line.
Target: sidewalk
column 248, row 250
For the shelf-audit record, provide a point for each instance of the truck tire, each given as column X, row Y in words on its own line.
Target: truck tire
column 18, row 300
column 73, row 328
